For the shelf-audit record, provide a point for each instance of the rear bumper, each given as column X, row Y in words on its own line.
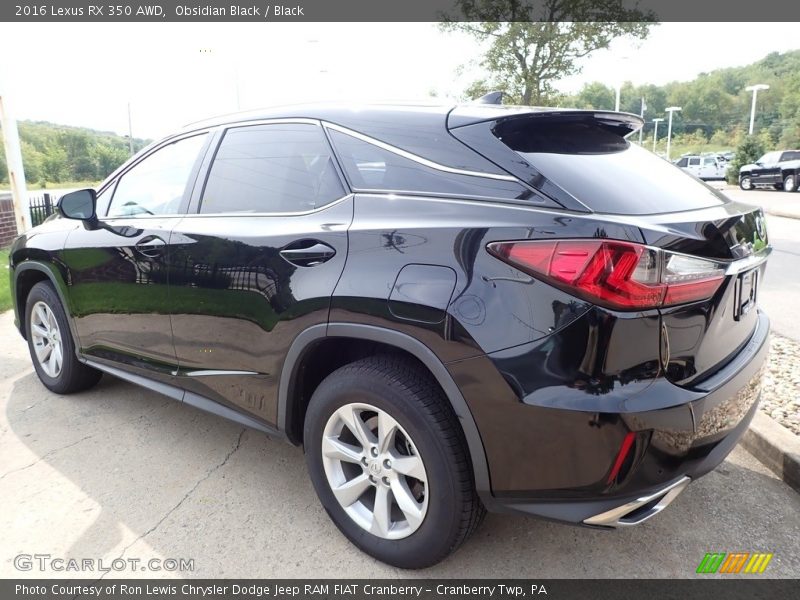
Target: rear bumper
column 568, row 475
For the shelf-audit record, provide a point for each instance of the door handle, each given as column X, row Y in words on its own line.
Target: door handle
column 151, row 246
column 308, row 253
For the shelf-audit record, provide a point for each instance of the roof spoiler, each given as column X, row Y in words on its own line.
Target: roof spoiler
column 469, row 114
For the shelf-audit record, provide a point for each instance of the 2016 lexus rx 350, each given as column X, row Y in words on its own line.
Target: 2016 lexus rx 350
column 451, row 309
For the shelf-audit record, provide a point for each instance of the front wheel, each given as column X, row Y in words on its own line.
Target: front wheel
column 389, row 462
column 746, row 183
column 51, row 345
column 789, row 183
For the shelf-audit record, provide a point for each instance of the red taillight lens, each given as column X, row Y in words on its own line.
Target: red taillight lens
column 619, row 275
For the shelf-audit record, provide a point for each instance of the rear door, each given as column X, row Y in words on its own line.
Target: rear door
column 117, row 275
column 257, row 261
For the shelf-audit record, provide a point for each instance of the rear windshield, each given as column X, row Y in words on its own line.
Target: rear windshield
column 609, row 174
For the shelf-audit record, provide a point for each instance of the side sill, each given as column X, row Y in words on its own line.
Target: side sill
column 190, row 398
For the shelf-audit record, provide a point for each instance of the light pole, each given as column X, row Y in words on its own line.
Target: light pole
column 755, row 89
column 641, row 131
column 670, row 110
column 655, row 133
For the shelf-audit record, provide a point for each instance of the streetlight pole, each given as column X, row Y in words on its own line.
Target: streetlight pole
column 670, row 110
column 755, row 89
column 641, row 131
column 655, row 133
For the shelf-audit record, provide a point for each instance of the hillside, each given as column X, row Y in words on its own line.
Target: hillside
column 54, row 154
column 716, row 106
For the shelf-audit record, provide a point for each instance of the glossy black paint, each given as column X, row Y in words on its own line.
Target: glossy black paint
column 243, row 314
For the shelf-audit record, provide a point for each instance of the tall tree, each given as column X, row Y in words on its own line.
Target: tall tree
column 534, row 43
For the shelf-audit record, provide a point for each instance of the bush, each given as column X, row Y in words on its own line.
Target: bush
column 749, row 151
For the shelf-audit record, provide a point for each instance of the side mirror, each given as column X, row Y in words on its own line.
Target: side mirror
column 80, row 205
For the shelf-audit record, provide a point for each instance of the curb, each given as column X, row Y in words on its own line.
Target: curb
column 776, row 447
column 780, row 213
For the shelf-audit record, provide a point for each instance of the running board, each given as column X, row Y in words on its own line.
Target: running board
column 641, row 509
column 186, row 397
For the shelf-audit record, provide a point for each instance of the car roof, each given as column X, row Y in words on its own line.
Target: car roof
column 356, row 115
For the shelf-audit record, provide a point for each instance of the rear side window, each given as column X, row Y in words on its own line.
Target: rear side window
column 592, row 161
column 371, row 168
column 274, row 168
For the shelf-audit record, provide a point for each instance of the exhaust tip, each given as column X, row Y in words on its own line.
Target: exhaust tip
column 641, row 509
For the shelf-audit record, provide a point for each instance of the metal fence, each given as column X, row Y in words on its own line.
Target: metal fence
column 41, row 208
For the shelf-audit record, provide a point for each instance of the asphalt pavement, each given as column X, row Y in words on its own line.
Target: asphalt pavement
column 121, row 472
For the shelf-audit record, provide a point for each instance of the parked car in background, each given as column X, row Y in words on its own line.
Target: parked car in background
column 705, row 167
column 779, row 170
column 450, row 308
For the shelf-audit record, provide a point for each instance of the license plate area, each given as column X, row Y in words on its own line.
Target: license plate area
column 745, row 293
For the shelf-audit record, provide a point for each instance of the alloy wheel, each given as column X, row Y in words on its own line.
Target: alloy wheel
column 789, row 184
column 47, row 342
column 374, row 471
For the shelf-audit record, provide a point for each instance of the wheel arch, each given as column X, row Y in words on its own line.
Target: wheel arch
column 291, row 403
column 27, row 275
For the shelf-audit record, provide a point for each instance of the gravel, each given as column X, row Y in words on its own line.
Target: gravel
column 780, row 397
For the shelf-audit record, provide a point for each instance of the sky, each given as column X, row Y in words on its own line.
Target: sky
column 171, row 74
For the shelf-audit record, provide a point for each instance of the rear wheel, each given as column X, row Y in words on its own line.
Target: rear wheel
column 746, row 183
column 51, row 345
column 789, row 183
column 389, row 462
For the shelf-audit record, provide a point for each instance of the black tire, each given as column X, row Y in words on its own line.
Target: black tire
column 746, row 183
column 74, row 375
column 789, row 183
column 409, row 394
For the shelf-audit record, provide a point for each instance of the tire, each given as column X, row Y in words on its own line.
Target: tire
column 746, row 183
column 446, row 509
column 789, row 183
column 48, row 334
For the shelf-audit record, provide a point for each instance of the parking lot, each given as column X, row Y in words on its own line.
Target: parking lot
column 123, row 472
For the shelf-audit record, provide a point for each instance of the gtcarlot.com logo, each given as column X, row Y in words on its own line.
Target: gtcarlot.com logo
column 48, row 562
column 734, row 562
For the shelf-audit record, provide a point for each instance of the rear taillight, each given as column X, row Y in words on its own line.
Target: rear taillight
column 618, row 275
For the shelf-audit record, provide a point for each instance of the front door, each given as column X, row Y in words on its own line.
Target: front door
column 117, row 275
column 257, row 262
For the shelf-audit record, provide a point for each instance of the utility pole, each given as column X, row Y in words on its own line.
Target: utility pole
column 16, row 173
column 130, row 130
column 655, row 133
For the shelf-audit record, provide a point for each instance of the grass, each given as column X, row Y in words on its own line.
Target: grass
column 5, row 282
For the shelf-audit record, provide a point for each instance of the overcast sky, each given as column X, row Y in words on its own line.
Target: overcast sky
column 175, row 73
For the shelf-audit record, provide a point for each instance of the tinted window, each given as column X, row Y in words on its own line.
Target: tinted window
column 369, row 167
column 682, row 162
column 693, row 162
column 790, row 156
column 156, row 184
column 607, row 176
column 276, row 168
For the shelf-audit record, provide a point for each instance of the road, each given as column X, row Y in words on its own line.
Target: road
column 123, row 472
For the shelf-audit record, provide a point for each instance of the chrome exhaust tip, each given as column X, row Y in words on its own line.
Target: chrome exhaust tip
column 641, row 509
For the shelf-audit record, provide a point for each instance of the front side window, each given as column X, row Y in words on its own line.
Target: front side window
column 793, row 155
column 769, row 158
column 273, row 168
column 155, row 185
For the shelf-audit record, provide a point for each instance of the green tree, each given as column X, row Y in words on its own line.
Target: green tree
column 533, row 45
column 595, row 95
column 749, row 151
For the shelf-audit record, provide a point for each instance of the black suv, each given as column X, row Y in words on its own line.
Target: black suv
column 779, row 169
column 449, row 308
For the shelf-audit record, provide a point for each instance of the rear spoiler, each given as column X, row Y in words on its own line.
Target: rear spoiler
column 469, row 114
